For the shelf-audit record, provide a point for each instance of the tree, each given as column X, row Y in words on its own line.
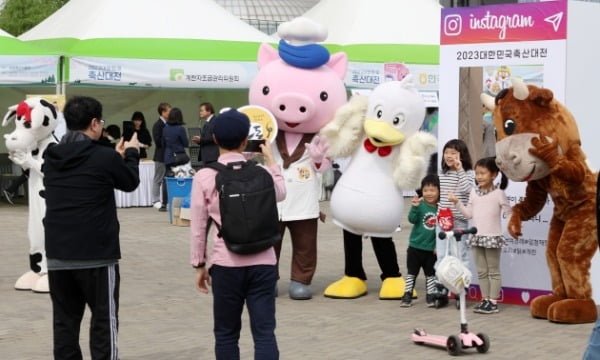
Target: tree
column 18, row 16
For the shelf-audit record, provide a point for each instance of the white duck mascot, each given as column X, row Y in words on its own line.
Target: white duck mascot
column 389, row 154
column 35, row 121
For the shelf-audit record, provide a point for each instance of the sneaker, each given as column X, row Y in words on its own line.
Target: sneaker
column 162, row 209
column 489, row 308
column 430, row 300
column 482, row 304
column 8, row 196
column 406, row 299
column 157, row 205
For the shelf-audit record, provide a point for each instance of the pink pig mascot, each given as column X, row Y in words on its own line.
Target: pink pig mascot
column 302, row 85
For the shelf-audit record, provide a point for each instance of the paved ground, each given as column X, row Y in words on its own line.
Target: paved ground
column 162, row 316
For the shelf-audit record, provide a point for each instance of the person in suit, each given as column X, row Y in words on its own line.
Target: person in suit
column 209, row 151
column 160, row 202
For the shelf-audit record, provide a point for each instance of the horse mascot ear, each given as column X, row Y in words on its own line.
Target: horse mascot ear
column 538, row 142
column 35, row 119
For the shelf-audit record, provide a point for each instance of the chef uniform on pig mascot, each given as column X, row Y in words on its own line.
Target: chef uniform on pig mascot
column 302, row 85
column 538, row 143
column 389, row 155
column 35, row 120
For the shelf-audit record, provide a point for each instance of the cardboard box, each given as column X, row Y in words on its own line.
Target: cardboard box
column 185, row 214
column 175, row 209
column 181, row 222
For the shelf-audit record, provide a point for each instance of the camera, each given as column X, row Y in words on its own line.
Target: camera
column 254, row 145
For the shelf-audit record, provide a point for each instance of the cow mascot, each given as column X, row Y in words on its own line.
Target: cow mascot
column 302, row 85
column 35, row 120
column 538, row 143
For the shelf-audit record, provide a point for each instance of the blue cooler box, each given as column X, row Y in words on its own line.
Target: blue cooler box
column 177, row 187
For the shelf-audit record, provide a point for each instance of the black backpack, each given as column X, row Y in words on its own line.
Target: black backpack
column 249, row 218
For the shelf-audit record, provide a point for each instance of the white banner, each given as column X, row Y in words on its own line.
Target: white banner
column 369, row 75
column 28, row 70
column 150, row 73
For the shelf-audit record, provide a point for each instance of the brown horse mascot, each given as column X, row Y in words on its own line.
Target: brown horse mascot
column 538, row 143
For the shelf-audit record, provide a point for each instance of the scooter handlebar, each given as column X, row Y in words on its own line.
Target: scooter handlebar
column 457, row 233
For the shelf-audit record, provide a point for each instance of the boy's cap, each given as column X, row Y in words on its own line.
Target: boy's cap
column 231, row 125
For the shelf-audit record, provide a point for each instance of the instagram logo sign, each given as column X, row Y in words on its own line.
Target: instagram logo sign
column 452, row 25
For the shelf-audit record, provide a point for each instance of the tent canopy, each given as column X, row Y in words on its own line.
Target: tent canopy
column 9, row 45
column 157, row 29
column 380, row 30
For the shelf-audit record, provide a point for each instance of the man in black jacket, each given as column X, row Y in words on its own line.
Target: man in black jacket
column 159, row 200
column 82, row 229
column 209, row 150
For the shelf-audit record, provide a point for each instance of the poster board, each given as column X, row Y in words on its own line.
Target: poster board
column 529, row 39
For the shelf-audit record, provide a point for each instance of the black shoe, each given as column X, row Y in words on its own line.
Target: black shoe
column 8, row 196
column 482, row 304
column 430, row 300
column 406, row 299
column 162, row 209
column 489, row 308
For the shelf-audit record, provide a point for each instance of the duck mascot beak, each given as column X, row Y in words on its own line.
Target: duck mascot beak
column 382, row 133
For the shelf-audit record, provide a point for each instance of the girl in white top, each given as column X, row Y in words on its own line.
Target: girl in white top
column 486, row 203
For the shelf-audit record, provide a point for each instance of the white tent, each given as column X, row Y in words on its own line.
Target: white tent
column 105, row 41
column 167, row 19
column 379, row 21
column 134, row 54
column 379, row 35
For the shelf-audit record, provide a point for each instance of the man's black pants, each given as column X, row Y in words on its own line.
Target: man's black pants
column 70, row 291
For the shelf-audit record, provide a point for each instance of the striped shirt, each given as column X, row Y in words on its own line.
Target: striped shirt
column 458, row 182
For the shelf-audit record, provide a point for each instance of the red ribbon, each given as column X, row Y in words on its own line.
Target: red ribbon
column 382, row 151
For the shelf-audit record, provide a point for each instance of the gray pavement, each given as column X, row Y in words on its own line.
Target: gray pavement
column 162, row 316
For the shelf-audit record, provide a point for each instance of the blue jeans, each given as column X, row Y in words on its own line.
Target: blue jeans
column 593, row 349
column 231, row 287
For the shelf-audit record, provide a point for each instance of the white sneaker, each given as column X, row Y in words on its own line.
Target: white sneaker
column 157, row 205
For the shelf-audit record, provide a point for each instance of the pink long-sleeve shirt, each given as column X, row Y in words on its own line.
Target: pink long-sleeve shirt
column 486, row 211
column 205, row 203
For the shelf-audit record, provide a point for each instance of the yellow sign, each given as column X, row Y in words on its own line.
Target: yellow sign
column 263, row 124
column 58, row 100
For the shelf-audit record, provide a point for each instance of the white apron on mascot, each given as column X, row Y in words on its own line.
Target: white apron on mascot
column 35, row 120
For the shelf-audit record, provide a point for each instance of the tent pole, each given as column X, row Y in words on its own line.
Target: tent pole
column 60, row 84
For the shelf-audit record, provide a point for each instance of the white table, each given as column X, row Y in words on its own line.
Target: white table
column 142, row 196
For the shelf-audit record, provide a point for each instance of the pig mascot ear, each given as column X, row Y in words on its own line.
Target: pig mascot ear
column 338, row 63
column 266, row 54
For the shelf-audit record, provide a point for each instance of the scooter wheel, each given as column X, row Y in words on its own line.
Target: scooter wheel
column 453, row 345
column 483, row 348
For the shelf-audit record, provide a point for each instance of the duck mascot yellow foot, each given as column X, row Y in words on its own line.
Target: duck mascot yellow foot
column 347, row 288
column 389, row 153
column 392, row 288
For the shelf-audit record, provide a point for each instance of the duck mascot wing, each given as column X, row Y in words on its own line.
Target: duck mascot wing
column 538, row 143
column 389, row 154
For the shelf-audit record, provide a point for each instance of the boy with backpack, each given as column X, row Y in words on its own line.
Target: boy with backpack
column 238, row 197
